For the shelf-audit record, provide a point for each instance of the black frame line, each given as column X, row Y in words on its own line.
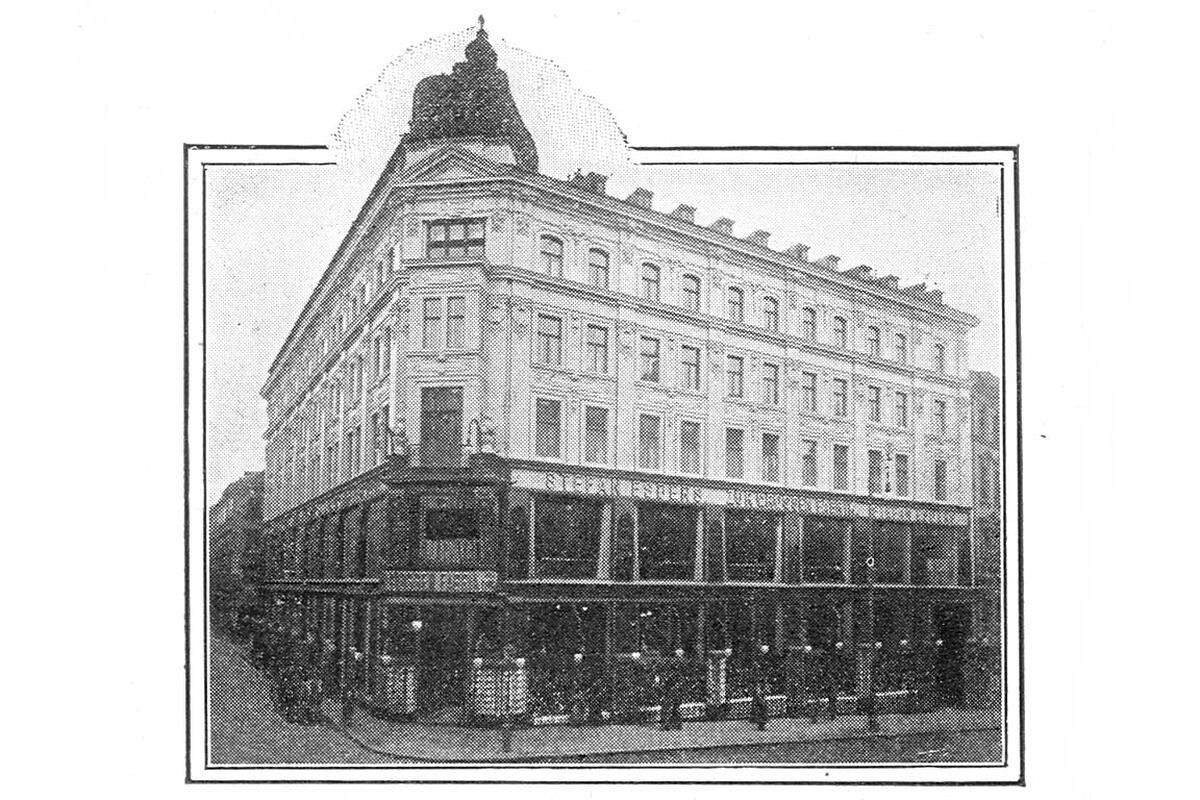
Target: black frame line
column 1018, row 781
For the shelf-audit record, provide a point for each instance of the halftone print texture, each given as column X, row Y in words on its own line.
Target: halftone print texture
column 548, row 472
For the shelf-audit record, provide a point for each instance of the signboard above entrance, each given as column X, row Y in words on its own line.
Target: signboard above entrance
column 734, row 496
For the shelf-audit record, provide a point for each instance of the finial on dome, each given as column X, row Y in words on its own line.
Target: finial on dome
column 481, row 22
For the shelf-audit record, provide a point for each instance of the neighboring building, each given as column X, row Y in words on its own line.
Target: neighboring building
column 988, row 500
column 235, row 523
column 676, row 438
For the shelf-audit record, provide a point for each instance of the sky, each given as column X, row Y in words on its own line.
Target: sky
column 272, row 230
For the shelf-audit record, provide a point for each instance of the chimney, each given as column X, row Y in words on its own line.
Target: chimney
column 723, row 225
column 828, row 262
column 935, row 296
column 759, row 237
column 916, row 290
column 591, row 182
column 890, row 281
column 798, row 252
column 641, row 197
column 685, row 213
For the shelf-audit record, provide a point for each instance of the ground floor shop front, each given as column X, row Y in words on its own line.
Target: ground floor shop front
column 574, row 653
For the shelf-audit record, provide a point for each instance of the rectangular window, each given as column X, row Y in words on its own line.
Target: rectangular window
column 874, row 472
column 597, row 349
column 737, row 376
column 939, row 480
column 650, row 441
column 598, row 268
column 691, row 292
column 568, row 537
column 667, row 542
column 547, row 435
column 901, row 475
column 651, row 282
column 455, row 318
column 750, row 545
column 874, row 403
column 840, row 402
column 939, row 417
column 690, row 362
column 824, row 549
column 650, row 359
column 901, row 410
column 839, row 331
column 808, row 324
column 771, row 313
column 595, row 435
column 939, row 358
column 431, row 329
column 549, row 340
column 689, row 447
column 808, row 399
column 770, row 457
column 901, row 348
column 737, row 304
column 455, row 239
column 808, row 466
column 771, row 384
column 735, row 452
column 873, row 344
column 552, row 256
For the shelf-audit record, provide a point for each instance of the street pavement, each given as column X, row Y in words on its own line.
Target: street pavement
column 245, row 728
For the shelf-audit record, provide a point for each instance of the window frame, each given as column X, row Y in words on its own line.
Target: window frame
column 643, row 355
column 650, row 269
column 684, row 364
column 771, row 313
column 562, row 443
column 608, row 434
column 700, row 459
column 540, row 337
column 808, row 389
column 461, row 343
column 841, row 332
column 737, row 292
column 593, row 267
column 660, row 451
column 808, row 324
column 547, row 261
column 847, row 475
column 741, row 377
column 901, row 345
column 840, row 407
column 901, row 410
column 467, row 243
column 589, row 348
column 810, row 447
column 874, row 341
column 742, row 456
column 771, row 390
column 762, row 449
column 692, row 301
column 875, row 404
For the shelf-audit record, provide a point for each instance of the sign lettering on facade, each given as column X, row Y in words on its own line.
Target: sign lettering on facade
column 640, row 489
column 464, row 581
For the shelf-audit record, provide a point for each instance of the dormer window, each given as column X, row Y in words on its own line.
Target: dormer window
column 459, row 238
column 552, row 256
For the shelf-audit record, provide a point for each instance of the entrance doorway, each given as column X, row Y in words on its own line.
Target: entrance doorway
column 952, row 626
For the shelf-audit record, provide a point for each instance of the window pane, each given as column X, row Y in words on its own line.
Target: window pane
column 431, row 329
column 824, row 549
column 874, row 472
column 689, row 447
column 771, row 384
column 691, row 292
column 455, row 314
column 808, row 466
column 737, row 309
column 809, row 399
column 734, row 452
column 552, row 256
column 750, row 545
column 902, row 475
column 650, row 359
column 651, row 286
column 939, row 480
column 809, row 329
column 548, row 428
column 549, row 347
column 595, row 437
column 568, row 537
column 598, row 268
column 690, row 360
column 770, row 457
column 650, row 442
column 841, row 467
column 736, row 372
column 667, row 541
column 771, row 313
column 840, row 405
column 597, row 349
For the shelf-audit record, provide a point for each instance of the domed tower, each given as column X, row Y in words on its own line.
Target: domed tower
column 472, row 106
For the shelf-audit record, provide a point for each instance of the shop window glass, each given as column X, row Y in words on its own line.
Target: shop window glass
column 667, row 541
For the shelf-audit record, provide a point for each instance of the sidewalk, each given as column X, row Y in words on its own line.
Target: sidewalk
column 418, row 742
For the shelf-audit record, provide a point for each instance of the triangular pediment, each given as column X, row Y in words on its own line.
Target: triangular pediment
column 450, row 162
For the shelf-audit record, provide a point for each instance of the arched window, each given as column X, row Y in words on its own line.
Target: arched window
column 939, row 358
column 839, row 331
column 809, row 325
column 691, row 292
column 873, row 343
column 771, row 313
column 598, row 268
column 552, row 256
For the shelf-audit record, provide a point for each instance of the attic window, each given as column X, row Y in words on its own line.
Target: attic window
column 457, row 238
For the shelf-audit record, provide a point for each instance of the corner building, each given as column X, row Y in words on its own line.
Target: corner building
column 519, row 411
